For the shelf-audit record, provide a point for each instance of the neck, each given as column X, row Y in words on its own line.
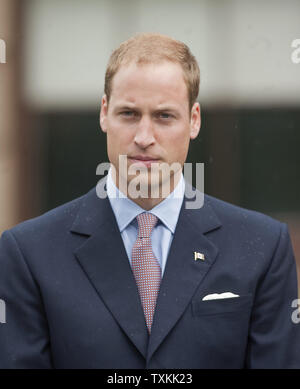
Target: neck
column 147, row 203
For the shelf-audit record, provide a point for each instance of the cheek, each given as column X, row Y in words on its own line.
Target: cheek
column 118, row 135
column 178, row 146
column 118, row 142
column 176, row 140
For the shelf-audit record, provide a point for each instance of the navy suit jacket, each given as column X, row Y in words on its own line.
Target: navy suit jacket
column 72, row 301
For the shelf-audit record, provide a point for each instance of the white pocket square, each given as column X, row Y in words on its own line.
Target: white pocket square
column 216, row 296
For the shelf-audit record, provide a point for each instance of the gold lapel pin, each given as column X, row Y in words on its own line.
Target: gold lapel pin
column 198, row 256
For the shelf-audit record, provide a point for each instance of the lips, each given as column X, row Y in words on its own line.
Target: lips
column 143, row 160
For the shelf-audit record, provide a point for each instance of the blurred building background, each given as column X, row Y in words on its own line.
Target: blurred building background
column 52, row 82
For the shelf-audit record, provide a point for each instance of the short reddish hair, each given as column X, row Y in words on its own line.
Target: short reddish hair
column 155, row 48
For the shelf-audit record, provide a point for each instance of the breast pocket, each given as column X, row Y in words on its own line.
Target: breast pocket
column 222, row 306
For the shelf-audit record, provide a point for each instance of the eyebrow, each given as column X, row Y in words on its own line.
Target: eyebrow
column 167, row 108
column 134, row 107
column 125, row 107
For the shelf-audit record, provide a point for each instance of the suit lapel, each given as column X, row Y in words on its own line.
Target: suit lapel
column 104, row 259
column 183, row 274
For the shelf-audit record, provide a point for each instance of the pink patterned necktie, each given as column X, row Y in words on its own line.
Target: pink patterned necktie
column 145, row 266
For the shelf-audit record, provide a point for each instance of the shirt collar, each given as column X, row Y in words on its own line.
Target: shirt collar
column 126, row 210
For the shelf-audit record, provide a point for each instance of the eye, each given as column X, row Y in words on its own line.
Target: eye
column 127, row 113
column 164, row 115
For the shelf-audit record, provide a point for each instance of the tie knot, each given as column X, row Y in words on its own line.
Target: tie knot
column 146, row 222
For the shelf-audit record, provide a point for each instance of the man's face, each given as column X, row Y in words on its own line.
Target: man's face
column 148, row 117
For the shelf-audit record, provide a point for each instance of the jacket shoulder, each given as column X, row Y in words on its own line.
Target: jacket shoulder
column 61, row 216
column 239, row 217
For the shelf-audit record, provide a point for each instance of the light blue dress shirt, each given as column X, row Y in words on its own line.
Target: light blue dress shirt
column 167, row 211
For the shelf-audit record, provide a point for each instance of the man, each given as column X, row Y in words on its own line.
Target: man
column 141, row 281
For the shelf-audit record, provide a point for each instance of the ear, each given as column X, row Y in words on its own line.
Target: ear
column 195, row 123
column 103, row 113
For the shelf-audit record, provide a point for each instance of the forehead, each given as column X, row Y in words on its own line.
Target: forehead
column 162, row 81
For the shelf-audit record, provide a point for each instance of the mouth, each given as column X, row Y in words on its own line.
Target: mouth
column 143, row 160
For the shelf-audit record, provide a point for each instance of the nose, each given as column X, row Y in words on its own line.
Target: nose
column 144, row 136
